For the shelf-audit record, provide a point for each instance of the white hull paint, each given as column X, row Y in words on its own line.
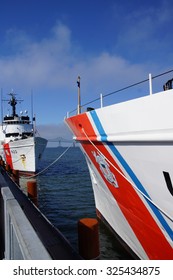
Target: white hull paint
column 20, row 147
column 25, row 154
column 129, row 152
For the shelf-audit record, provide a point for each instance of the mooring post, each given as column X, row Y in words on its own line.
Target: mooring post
column 32, row 191
column 8, row 167
column 88, row 238
column 15, row 176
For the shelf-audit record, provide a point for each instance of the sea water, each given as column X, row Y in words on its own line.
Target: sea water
column 65, row 196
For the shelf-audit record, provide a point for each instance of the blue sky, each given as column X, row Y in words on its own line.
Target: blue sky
column 46, row 44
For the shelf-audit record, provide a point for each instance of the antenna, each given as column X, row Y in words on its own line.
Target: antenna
column 32, row 105
column 1, row 107
column 32, row 114
column 13, row 102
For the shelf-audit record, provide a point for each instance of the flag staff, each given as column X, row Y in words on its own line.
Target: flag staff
column 79, row 97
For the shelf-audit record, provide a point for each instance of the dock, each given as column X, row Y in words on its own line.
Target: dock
column 25, row 233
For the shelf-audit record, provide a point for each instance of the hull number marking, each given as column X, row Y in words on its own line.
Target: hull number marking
column 168, row 181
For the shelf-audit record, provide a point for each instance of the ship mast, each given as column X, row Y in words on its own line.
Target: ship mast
column 13, row 102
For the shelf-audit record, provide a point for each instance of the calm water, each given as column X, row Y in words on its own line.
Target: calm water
column 65, row 196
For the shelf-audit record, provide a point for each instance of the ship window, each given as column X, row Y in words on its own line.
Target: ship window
column 12, row 134
column 8, row 118
column 27, row 134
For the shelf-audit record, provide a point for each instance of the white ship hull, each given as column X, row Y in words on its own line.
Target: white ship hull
column 20, row 148
column 24, row 154
column 129, row 152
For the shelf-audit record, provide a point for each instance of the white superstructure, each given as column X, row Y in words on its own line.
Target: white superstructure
column 19, row 146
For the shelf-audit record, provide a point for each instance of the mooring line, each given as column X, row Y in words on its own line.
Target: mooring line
column 42, row 171
column 134, row 186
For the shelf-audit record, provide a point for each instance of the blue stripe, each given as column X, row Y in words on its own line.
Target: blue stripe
column 99, row 126
column 130, row 173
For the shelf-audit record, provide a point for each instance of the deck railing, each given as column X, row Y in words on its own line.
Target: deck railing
column 103, row 96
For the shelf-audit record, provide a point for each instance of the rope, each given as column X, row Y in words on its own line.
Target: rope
column 25, row 155
column 42, row 171
column 133, row 185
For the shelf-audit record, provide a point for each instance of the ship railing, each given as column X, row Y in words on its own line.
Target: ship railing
column 21, row 240
column 166, row 86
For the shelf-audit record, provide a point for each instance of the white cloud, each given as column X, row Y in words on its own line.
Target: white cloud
column 38, row 63
column 54, row 63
